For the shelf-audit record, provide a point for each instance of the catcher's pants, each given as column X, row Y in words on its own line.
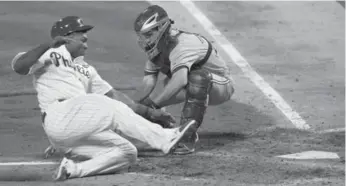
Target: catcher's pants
column 221, row 91
column 89, row 126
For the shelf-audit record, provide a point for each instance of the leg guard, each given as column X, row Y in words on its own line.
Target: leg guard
column 197, row 95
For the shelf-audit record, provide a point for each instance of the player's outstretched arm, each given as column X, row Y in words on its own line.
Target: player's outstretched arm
column 23, row 64
column 146, row 112
column 119, row 96
column 100, row 86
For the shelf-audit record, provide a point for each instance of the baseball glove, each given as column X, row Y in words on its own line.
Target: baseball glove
column 161, row 117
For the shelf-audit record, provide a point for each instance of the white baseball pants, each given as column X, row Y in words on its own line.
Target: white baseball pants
column 89, row 126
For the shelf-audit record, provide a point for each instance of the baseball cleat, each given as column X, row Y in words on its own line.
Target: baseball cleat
column 188, row 147
column 182, row 130
column 183, row 149
column 62, row 174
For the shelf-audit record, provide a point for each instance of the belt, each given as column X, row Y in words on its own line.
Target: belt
column 44, row 114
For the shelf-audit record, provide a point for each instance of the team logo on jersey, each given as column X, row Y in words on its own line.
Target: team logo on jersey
column 58, row 60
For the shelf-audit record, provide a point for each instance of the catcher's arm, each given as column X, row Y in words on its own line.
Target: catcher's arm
column 144, row 111
column 149, row 82
column 178, row 81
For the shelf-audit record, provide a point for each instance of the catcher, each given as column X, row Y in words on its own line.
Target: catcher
column 195, row 74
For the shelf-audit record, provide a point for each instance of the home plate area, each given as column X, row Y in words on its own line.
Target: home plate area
column 283, row 126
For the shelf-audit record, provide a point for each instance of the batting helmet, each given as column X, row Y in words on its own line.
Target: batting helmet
column 68, row 25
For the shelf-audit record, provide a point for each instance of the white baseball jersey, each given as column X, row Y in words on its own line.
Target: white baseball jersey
column 57, row 76
column 86, row 124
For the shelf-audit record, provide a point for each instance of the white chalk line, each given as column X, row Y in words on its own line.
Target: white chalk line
column 40, row 163
column 331, row 131
column 30, row 163
column 21, row 163
column 248, row 71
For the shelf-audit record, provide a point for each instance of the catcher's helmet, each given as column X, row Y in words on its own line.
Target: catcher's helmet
column 151, row 26
column 68, row 25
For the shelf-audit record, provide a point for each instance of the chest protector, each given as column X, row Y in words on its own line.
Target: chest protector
column 162, row 60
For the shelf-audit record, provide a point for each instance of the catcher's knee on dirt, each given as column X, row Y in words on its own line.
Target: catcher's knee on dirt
column 197, row 95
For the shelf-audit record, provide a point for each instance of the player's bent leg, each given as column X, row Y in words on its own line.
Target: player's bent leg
column 197, row 98
column 76, row 118
column 108, row 153
column 221, row 90
column 136, row 127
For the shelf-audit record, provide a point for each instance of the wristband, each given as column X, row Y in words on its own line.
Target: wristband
column 142, row 110
column 154, row 105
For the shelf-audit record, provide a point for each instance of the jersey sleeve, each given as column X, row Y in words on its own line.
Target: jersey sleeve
column 44, row 59
column 188, row 51
column 97, row 84
column 151, row 68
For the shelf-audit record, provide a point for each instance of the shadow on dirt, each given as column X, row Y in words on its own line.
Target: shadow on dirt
column 213, row 140
column 234, row 124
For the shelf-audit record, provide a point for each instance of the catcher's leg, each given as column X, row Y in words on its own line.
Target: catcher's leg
column 203, row 89
column 197, row 97
column 178, row 98
column 221, row 90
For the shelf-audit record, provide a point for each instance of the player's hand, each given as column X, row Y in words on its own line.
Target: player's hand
column 161, row 116
column 49, row 151
column 59, row 40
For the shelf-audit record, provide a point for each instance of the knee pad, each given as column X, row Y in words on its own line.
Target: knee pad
column 197, row 94
column 199, row 83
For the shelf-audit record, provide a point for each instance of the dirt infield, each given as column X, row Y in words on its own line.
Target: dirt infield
column 297, row 47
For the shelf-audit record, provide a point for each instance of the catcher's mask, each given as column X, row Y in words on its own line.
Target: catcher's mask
column 152, row 27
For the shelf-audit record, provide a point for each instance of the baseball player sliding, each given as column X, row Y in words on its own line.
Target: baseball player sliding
column 195, row 73
column 82, row 114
